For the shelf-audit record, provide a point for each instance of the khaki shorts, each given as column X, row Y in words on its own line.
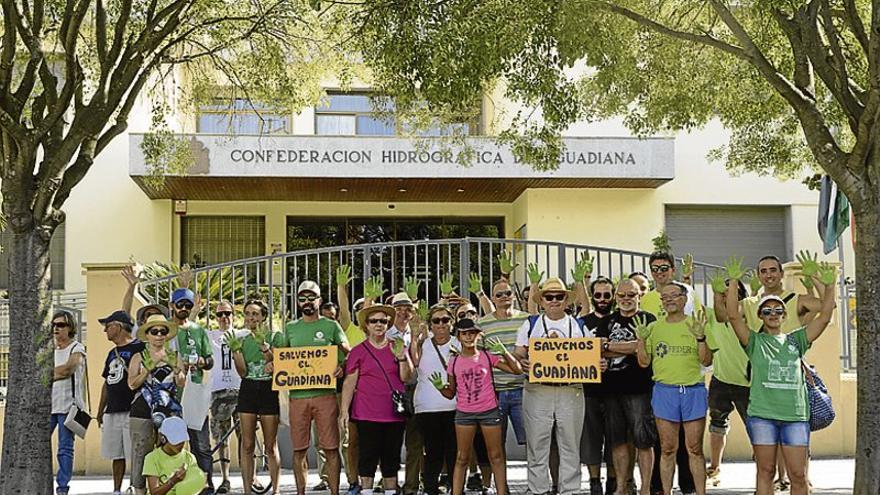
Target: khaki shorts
column 115, row 437
column 325, row 412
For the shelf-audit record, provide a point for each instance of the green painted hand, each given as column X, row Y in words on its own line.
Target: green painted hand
column 494, row 345
column 687, row 268
column 446, row 286
column 411, row 287
column 697, row 323
column 754, row 284
column 343, row 275
column 475, row 283
column 582, row 269
column 719, row 286
column 643, row 331
column 437, row 380
column 808, row 282
column 505, row 262
column 827, row 274
column 809, row 263
column 422, row 309
column 373, row 287
column 260, row 333
column 734, row 266
column 535, row 275
column 232, row 340
column 397, row 348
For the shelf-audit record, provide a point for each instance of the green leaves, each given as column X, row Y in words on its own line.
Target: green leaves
column 373, row 287
column 446, row 286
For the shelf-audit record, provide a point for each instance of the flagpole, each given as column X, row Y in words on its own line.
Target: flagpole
column 844, row 309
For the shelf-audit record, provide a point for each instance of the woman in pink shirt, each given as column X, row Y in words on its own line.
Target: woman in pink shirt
column 471, row 382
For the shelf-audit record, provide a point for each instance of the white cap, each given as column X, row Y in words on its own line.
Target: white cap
column 174, row 430
column 401, row 299
column 309, row 286
column 768, row 298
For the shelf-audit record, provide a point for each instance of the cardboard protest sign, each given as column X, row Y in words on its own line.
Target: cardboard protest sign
column 297, row 368
column 565, row 360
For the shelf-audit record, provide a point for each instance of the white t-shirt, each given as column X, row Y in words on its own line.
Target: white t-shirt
column 427, row 398
column 565, row 327
column 62, row 396
column 223, row 374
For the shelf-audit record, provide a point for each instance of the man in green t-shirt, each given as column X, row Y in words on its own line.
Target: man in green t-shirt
column 195, row 348
column 315, row 404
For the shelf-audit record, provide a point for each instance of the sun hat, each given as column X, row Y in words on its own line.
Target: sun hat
column 553, row 284
column 379, row 308
column 163, row 310
column 157, row 321
column 401, row 299
column 174, row 430
column 309, row 286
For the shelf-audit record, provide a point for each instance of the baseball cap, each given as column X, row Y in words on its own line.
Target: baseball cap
column 182, row 294
column 119, row 316
column 764, row 300
column 309, row 286
column 174, row 430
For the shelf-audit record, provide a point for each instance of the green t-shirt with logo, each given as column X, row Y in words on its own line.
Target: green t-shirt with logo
column 675, row 358
column 254, row 360
column 354, row 334
column 321, row 332
column 778, row 390
column 161, row 465
column 504, row 330
column 193, row 337
column 729, row 360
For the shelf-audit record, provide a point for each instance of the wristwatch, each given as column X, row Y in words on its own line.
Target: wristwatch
column 702, row 339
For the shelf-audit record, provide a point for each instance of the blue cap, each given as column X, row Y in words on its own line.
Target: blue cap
column 182, row 294
column 117, row 316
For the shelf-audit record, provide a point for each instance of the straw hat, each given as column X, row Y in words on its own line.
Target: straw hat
column 157, row 321
column 553, row 284
column 379, row 308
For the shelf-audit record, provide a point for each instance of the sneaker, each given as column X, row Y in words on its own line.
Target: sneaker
column 321, row 487
column 223, row 488
column 595, row 486
column 488, row 491
column 631, row 487
column 713, row 476
column 782, row 485
column 475, row 482
column 354, row 489
column 610, row 486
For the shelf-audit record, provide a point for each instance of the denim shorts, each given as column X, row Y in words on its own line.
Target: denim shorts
column 679, row 403
column 771, row 432
column 510, row 403
column 492, row 417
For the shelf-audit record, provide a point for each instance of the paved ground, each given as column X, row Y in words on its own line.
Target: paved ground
column 829, row 477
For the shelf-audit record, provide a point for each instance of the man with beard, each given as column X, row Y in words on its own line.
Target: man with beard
column 315, row 404
column 195, row 349
column 626, row 398
column 601, row 292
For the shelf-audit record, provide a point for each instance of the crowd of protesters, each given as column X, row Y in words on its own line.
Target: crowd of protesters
column 449, row 384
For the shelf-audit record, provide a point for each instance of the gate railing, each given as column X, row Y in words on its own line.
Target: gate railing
column 279, row 275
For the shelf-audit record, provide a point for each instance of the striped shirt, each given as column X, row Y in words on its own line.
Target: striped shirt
column 504, row 330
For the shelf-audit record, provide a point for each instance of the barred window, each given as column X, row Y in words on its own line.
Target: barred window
column 208, row 240
column 56, row 258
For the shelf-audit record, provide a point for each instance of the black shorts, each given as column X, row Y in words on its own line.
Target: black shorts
column 723, row 399
column 257, row 397
column 629, row 418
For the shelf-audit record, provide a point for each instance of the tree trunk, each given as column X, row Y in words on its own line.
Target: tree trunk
column 26, row 466
column 867, row 250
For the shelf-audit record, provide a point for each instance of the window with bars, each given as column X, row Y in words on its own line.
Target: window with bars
column 208, row 240
column 56, row 258
column 238, row 116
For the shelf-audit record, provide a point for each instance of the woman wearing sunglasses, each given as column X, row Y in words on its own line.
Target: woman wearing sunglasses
column 375, row 372
column 256, row 399
column 155, row 375
column 435, row 414
column 779, row 412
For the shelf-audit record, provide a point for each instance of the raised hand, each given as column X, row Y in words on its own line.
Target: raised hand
column 535, row 275
column 411, row 287
column 734, row 266
column 697, row 323
column 494, row 345
column 687, row 268
column 719, row 286
column 437, row 380
column 397, row 348
column 343, row 275
column 260, row 334
column 185, row 277
column 809, row 263
column 446, row 286
column 475, row 283
column 130, row 275
column 827, row 273
column 373, row 287
column 643, row 331
column 754, row 284
column 232, row 340
column 505, row 262
column 422, row 310
column 808, row 282
column 583, row 268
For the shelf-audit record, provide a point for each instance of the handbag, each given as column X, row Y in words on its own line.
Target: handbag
column 77, row 419
column 821, row 409
column 400, row 401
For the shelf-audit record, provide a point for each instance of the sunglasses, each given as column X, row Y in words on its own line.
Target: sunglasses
column 373, row 321
column 443, row 319
column 184, row 305
column 158, row 331
column 224, row 314
column 504, row 293
column 669, row 298
column 660, row 268
column 601, row 295
column 59, row 324
column 627, row 295
column 554, row 297
column 303, row 299
column 465, row 314
column 772, row 311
